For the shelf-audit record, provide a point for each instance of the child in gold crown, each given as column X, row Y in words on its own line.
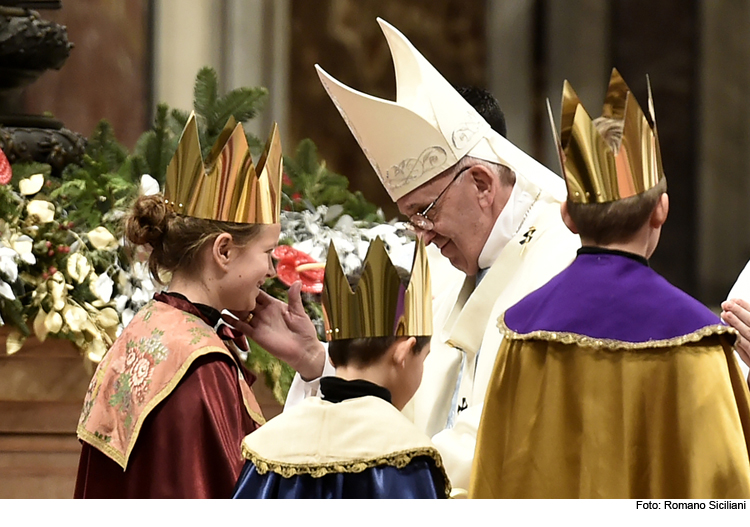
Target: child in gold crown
column 170, row 402
column 610, row 382
column 353, row 442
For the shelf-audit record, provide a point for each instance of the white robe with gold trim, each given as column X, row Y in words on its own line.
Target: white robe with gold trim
column 466, row 338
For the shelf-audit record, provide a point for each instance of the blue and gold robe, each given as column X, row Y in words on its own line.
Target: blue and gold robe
column 360, row 446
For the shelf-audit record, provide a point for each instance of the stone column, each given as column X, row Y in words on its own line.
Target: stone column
column 510, row 66
column 661, row 39
column 723, row 184
column 532, row 48
column 577, row 49
column 187, row 36
column 256, row 51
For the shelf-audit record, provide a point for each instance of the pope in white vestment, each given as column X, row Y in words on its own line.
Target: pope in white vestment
column 422, row 135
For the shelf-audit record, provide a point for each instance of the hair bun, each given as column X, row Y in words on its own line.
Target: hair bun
column 148, row 220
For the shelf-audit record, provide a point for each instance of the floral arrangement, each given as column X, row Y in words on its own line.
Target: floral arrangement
column 66, row 272
column 59, row 280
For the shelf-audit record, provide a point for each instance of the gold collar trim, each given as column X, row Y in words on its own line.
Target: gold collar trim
column 349, row 466
column 563, row 337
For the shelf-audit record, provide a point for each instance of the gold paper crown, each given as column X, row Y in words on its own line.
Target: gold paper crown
column 227, row 187
column 592, row 171
column 380, row 305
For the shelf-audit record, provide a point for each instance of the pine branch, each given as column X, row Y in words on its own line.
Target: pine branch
column 205, row 93
column 243, row 104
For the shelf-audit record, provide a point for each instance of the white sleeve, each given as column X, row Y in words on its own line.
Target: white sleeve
column 301, row 389
column 456, row 446
column 741, row 289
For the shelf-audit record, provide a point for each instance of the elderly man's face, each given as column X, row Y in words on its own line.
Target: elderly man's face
column 461, row 219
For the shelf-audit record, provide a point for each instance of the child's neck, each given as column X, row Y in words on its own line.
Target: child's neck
column 371, row 373
column 641, row 244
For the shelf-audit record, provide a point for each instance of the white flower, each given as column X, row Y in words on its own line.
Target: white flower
column 78, row 267
column 31, row 185
column 57, row 288
column 46, row 323
column 103, row 287
column 96, row 350
column 6, row 291
column 75, row 317
column 23, row 245
column 127, row 316
column 8, row 266
column 43, row 210
column 149, row 186
column 140, row 297
column 102, row 239
column 120, row 302
column 107, row 318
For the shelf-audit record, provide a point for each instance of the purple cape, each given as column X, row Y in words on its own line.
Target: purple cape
column 610, row 296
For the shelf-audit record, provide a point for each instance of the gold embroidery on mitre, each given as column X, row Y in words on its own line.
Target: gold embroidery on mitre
column 227, row 186
column 380, row 305
column 592, row 171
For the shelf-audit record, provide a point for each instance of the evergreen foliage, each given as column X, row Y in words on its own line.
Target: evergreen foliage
column 309, row 184
column 99, row 191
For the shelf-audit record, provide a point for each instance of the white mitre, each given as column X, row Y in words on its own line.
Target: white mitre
column 428, row 129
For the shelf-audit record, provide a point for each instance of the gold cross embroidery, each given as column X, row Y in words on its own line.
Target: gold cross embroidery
column 527, row 238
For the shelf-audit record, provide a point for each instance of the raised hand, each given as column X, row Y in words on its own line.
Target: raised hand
column 285, row 331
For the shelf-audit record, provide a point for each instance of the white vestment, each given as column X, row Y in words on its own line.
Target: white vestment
column 527, row 247
column 741, row 289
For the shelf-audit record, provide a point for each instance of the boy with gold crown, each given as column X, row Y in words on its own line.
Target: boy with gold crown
column 610, row 382
column 353, row 442
column 170, row 402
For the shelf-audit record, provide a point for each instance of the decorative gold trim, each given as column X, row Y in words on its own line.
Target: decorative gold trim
column 563, row 337
column 115, row 454
column 351, row 466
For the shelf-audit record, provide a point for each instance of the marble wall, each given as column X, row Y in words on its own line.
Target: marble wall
column 107, row 73
column 344, row 38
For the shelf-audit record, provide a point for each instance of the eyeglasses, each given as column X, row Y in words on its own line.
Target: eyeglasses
column 419, row 220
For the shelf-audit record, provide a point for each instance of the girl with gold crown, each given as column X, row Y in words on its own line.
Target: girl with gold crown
column 170, row 402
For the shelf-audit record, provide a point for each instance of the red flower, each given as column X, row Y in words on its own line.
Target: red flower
column 296, row 196
column 286, row 180
column 295, row 265
column 5, row 171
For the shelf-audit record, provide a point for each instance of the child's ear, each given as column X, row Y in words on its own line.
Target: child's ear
column 567, row 219
column 221, row 249
column 402, row 349
column 660, row 212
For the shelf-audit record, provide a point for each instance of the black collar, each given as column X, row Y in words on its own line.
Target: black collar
column 590, row 249
column 336, row 389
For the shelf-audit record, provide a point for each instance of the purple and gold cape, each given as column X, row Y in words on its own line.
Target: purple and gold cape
column 612, row 296
column 612, row 383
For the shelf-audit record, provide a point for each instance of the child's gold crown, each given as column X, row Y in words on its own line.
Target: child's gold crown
column 592, row 171
column 380, row 305
column 227, row 187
